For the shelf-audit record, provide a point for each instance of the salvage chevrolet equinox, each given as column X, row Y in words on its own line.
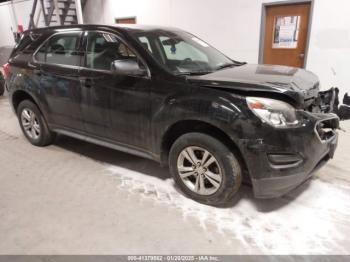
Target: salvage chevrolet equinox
column 167, row 95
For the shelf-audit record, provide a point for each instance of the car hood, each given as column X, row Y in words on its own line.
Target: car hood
column 296, row 83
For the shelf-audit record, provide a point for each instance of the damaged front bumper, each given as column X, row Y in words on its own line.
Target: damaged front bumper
column 328, row 102
column 285, row 158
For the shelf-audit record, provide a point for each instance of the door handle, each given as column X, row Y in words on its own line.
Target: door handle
column 301, row 56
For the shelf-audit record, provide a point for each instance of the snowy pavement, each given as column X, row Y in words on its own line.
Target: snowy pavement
column 78, row 198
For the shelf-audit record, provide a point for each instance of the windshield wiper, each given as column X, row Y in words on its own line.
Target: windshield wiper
column 225, row 66
column 228, row 65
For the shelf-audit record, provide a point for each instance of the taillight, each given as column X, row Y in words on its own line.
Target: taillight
column 6, row 68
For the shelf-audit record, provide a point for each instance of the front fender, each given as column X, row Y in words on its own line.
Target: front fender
column 225, row 111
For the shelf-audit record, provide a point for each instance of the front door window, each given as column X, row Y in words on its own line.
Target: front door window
column 103, row 49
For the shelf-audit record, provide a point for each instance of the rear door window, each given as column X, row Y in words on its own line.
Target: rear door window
column 61, row 49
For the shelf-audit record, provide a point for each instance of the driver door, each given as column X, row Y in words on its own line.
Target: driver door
column 115, row 107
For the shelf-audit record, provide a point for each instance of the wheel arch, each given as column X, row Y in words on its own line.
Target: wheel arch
column 188, row 126
column 21, row 95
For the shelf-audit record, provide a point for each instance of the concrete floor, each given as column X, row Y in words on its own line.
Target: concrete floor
column 78, row 198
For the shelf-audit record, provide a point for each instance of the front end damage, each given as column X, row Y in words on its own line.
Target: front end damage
column 285, row 158
column 280, row 152
column 328, row 102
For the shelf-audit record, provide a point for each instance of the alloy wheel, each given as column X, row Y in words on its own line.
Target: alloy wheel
column 30, row 123
column 199, row 170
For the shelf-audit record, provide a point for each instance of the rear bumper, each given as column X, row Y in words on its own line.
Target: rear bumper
column 284, row 159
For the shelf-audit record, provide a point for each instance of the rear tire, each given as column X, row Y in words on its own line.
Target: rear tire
column 215, row 175
column 33, row 124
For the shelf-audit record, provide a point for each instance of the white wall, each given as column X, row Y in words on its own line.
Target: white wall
column 329, row 53
column 233, row 26
column 11, row 15
column 6, row 37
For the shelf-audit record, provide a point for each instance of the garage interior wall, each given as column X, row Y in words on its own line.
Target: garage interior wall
column 233, row 26
column 12, row 14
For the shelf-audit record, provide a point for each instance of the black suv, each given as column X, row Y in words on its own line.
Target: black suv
column 165, row 94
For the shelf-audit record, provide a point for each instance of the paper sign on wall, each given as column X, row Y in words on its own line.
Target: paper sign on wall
column 286, row 32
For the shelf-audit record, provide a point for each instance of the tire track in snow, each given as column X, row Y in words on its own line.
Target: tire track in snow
column 312, row 223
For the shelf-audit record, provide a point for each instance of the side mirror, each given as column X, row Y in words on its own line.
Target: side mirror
column 128, row 67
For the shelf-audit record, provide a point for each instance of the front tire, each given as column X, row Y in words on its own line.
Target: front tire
column 205, row 169
column 33, row 124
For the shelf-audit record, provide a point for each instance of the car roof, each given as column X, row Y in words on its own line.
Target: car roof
column 118, row 27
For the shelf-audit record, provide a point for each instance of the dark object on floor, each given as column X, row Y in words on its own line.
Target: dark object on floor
column 2, row 84
column 346, row 100
column 344, row 112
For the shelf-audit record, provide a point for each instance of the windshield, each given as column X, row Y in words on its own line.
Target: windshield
column 182, row 53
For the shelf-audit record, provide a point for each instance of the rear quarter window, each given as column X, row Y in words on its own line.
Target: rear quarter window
column 26, row 43
column 60, row 49
column 23, row 44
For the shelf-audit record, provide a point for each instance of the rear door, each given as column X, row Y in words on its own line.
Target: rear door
column 60, row 58
column 115, row 107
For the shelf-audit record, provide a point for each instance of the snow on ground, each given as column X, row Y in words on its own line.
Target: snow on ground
column 309, row 220
column 314, row 219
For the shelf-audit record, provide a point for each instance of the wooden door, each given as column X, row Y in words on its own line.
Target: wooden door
column 286, row 30
column 128, row 20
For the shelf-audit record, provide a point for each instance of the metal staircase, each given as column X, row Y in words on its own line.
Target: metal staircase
column 55, row 12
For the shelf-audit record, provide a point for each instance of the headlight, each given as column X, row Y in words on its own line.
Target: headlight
column 273, row 112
